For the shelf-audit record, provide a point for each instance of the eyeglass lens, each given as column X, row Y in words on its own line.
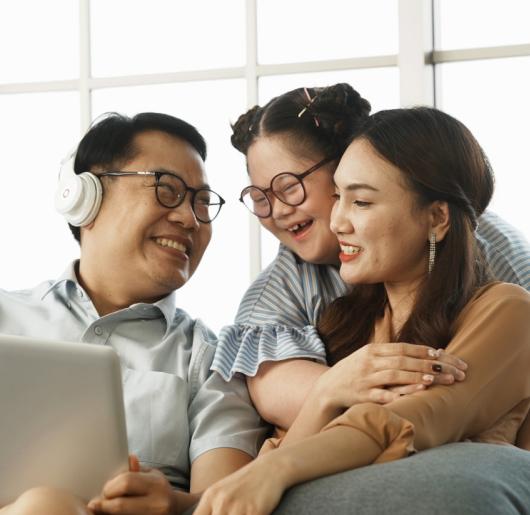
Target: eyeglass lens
column 286, row 187
column 171, row 192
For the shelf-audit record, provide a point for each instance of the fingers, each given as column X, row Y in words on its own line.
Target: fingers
column 394, row 377
column 407, row 389
column 445, row 357
column 121, row 505
column 128, row 483
column 441, row 368
column 134, row 493
column 416, row 351
column 134, row 463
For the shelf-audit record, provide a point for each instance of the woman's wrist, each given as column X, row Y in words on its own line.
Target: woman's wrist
column 278, row 465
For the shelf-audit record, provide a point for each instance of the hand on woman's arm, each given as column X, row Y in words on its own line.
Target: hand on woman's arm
column 375, row 373
column 378, row 373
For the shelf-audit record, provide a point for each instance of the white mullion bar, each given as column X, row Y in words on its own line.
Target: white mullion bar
column 84, row 64
column 251, row 76
column 166, row 78
column 39, row 87
column 415, row 50
column 473, row 54
column 381, row 61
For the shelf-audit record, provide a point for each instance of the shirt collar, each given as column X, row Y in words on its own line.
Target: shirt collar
column 68, row 276
column 167, row 305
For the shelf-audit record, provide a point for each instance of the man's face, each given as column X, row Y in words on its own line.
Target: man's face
column 135, row 243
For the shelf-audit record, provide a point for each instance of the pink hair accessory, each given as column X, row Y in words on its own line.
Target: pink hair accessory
column 310, row 101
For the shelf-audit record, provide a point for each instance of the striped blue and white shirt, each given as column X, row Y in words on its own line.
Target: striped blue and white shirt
column 277, row 316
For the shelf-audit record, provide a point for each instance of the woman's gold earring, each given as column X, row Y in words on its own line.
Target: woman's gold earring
column 432, row 250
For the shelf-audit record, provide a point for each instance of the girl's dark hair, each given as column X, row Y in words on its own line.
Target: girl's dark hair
column 440, row 160
column 109, row 142
column 325, row 127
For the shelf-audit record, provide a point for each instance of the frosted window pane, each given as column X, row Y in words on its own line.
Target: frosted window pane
column 37, row 131
column 135, row 37
column 39, row 41
column 215, row 290
column 380, row 86
column 312, row 30
column 482, row 23
column 491, row 98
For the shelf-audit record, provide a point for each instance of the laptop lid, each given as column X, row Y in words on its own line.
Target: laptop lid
column 62, row 420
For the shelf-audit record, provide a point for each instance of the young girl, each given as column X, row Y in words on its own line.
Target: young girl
column 408, row 192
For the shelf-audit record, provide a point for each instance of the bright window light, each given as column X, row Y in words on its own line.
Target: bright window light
column 491, row 98
column 131, row 37
column 39, row 41
column 312, row 30
column 38, row 130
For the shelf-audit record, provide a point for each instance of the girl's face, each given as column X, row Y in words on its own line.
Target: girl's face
column 382, row 231
column 305, row 228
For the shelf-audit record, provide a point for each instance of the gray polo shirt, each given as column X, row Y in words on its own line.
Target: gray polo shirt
column 176, row 408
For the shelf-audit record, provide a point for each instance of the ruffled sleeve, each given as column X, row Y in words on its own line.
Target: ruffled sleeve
column 277, row 316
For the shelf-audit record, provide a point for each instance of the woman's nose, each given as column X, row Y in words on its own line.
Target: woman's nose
column 339, row 223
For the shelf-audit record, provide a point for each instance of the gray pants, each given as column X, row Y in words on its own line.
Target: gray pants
column 456, row 479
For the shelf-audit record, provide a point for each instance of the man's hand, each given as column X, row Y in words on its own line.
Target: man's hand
column 136, row 492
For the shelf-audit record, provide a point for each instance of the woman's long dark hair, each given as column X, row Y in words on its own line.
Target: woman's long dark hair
column 440, row 160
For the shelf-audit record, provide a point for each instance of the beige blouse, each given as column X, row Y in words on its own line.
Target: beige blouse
column 491, row 405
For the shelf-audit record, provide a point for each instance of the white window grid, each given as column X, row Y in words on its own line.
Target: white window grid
column 416, row 60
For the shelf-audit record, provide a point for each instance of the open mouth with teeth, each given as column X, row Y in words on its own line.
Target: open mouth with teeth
column 299, row 228
column 172, row 244
column 350, row 250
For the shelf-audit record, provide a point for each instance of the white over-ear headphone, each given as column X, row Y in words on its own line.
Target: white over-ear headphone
column 78, row 197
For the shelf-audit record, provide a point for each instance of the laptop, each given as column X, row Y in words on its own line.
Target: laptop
column 62, row 420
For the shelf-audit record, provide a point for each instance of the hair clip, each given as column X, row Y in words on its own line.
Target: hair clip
column 308, row 105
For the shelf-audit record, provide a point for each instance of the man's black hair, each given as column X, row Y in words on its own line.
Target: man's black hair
column 109, row 142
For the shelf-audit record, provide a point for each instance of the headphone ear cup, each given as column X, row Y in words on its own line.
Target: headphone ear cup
column 78, row 198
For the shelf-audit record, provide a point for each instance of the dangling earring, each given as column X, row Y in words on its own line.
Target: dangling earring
column 432, row 250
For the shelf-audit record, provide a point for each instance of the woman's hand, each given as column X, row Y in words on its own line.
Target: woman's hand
column 136, row 492
column 255, row 489
column 381, row 372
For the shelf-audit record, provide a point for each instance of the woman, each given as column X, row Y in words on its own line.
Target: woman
column 408, row 190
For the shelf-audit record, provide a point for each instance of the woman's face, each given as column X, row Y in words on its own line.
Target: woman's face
column 305, row 228
column 382, row 231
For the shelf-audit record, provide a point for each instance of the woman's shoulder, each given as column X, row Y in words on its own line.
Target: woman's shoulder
column 497, row 299
column 501, row 291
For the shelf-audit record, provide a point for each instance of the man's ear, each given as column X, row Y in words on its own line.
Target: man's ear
column 440, row 219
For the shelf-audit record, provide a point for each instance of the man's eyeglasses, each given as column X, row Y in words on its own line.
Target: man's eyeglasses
column 287, row 187
column 171, row 192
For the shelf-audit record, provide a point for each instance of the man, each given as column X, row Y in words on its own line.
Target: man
column 142, row 236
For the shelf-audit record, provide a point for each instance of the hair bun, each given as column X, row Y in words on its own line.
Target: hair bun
column 243, row 129
column 340, row 109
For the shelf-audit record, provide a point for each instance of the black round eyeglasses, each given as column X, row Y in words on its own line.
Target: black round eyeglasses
column 287, row 187
column 171, row 192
